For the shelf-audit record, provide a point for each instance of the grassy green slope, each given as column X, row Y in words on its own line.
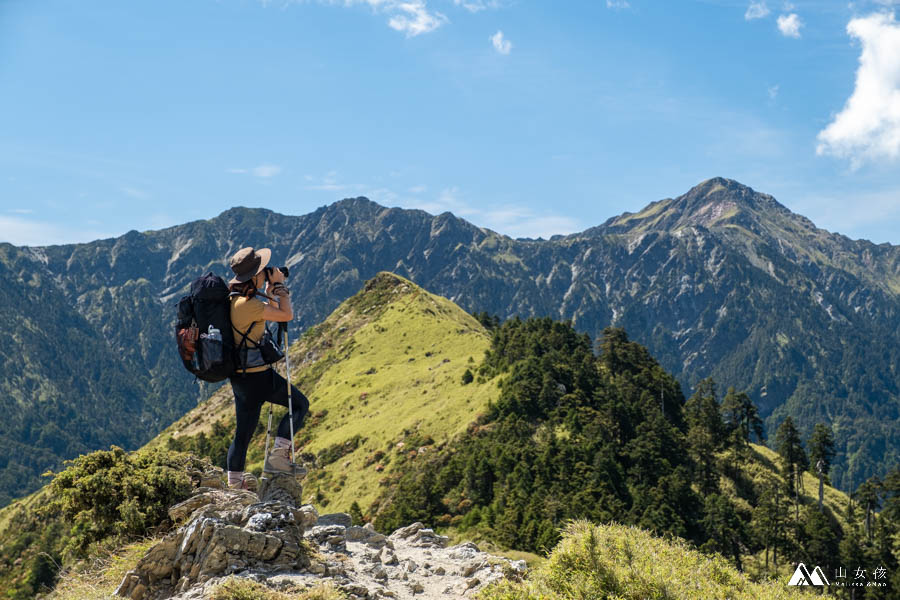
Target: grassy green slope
column 764, row 465
column 386, row 366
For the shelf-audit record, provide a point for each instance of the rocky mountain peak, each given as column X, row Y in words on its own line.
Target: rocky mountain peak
column 717, row 203
column 360, row 206
column 719, row 198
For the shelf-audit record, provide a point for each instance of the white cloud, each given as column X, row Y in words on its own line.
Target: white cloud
column 262, row 171
column 789, row 25
column 27, row 232
column 868, row 127
column 508, row 219
column 503, row 46
column 773, row 92
column 757, row 10
column 477, row 5
column 617, row 4
column 409, row 16
column 413, row 18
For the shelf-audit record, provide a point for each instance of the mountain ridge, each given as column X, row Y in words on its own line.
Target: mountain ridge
column 807, row 322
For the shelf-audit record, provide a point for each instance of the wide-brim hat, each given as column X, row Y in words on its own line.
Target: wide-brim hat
column 247, row 263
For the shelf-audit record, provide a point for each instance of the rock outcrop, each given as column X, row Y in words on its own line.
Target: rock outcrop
column 273, row 539
column 227, row 531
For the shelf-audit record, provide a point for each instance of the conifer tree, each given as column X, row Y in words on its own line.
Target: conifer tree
column 820, row 541
column 867, row 494
column 740, row 416
column 724, row 528
column 706, row 433
column 768, row 519
column 793, row 458
column 852, row 550
column 890, row 489
column 821, row 453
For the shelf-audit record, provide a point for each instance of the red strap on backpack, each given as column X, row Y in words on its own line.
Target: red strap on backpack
column 187, row 342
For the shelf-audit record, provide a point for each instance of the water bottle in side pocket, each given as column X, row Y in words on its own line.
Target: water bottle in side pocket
column 211, row 349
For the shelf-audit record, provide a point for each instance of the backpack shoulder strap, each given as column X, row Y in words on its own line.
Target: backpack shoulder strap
column 244, row 335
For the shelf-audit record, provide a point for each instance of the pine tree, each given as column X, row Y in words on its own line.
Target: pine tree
column 724, row 528
column 820, row 541
column 740, row 415
column 867, row 494
column 883, row 556
column 853, row 554
column 821, row 453
column 706, row 433
column 768, row 519
column 890, row 489
column 793, row 458
column 356, row 514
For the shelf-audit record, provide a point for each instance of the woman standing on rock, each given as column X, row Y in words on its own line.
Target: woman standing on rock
column 256, row 382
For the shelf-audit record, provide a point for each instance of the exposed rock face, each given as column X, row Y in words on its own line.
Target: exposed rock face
column 287, row 546
column 227, row 531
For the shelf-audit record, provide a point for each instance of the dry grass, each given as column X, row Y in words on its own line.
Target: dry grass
column 627, row 563
column 236, row 588
column 98, row 578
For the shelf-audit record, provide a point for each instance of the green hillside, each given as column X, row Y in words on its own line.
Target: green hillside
column 385, row 368
column 386, row 374
column 59, row 373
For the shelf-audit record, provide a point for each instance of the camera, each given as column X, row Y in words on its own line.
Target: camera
column 284, row 270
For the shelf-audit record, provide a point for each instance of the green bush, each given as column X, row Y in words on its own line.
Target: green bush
column 113, row 493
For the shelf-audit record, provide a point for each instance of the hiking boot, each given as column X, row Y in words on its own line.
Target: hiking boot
column 248, row 482
column 279, row 461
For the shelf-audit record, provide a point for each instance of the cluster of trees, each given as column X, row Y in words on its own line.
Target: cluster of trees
column 608, row 436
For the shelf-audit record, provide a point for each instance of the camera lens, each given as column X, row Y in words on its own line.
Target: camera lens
column 284, row 270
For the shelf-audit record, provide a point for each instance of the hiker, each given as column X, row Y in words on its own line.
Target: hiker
column 255, row 382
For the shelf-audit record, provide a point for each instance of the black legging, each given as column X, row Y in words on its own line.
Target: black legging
column 251, row 390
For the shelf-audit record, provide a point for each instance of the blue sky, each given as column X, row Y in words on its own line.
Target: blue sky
column 531, row 118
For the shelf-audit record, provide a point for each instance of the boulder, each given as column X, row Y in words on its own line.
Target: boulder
column 342, row 519
column 228, row 531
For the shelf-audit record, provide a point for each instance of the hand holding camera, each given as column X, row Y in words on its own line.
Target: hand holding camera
column 275, row 276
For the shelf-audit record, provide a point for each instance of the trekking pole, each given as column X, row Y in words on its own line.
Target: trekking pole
column 268, row 436
column 287, row 376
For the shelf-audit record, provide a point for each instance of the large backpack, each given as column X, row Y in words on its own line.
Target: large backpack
column 203, row 330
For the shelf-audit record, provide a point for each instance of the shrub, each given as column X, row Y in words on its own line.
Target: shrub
column 113, row 493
